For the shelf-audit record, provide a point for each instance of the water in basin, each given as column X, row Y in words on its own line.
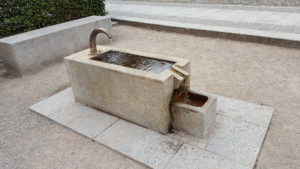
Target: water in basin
column 192, row 99
column 183, row 95
column 134, row 61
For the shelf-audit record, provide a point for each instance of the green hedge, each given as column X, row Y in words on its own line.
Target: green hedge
column 17, row 16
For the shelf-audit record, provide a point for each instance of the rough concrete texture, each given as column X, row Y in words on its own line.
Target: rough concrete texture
column 197, row 121
column 138, row 96
column 146, row 146
column 237, row 2
column 270, row 25
column 192, row 158
column 31, row 51
column 252, row 72
column 243, row 139
column 275, row 19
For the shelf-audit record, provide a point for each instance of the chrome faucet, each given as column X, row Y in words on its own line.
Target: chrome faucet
column 93, row 48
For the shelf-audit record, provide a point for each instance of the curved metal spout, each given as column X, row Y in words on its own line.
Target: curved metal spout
column 93, row 48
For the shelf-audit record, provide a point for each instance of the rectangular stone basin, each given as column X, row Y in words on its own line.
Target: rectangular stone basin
column 194, row 113
column 127, row 89
column 134, row 61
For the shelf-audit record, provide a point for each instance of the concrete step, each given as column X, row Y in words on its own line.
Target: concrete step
column 244, row 2
column 272, row 25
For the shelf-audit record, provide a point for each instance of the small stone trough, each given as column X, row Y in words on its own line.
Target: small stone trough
column 140, row 88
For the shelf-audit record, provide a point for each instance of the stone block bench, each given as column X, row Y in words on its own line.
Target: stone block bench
column 31, row 51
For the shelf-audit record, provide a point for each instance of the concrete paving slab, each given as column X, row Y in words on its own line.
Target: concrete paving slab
column 53, row 103
column 91, row 123
column 183, row 137
column 70, row 112
column 190, row 157
column 292, row 18
column 234, row 143
column 245, row 111
column 146, row 146
column 237, row 140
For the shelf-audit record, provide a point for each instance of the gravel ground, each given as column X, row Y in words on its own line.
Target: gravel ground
column 252, row 72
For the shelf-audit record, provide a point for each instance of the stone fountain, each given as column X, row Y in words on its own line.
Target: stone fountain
column 147, row 89
column 141, row 105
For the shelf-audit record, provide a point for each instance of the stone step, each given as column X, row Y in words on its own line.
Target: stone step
column 244, row 2
column 272, row 25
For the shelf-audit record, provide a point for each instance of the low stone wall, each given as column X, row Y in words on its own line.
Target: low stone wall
column 31, row 51
column 245, row 2
column 253, row 2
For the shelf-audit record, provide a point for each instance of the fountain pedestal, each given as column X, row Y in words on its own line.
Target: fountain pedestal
column 111, row 83
column 141, row 97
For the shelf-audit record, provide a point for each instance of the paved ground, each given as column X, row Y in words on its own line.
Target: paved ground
column 252, row 72
column 272, row 22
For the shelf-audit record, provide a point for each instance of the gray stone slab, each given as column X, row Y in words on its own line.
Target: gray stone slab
column 291, row 19
column 184, row 137
column 234, row 143
column 91, row 122
column 241, row 110
column 189, row 157
column 63, row 109
column 70, row 112
column 237, row 140
column 143, row 145
column 54, row 103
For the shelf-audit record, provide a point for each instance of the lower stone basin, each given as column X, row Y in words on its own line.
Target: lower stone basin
column 194, row 113
column 140, row 96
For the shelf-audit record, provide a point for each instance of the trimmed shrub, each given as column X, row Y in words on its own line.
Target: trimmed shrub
column 18, row 16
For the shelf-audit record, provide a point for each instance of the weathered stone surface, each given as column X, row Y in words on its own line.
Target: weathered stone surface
column 184, row 137
column 242, row 110
column 234, row 142
column 70, row 112
column 91, row 122
column 146, row 146
column 138, row 96
column 31, row 51
column 189, row 157
column 197, row 121
column 237, row 140
column 54, row 103
column 222, row 2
